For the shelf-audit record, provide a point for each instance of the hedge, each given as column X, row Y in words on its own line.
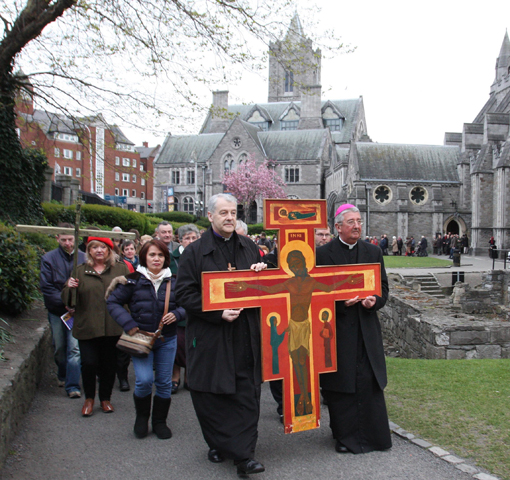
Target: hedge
column 98, row 215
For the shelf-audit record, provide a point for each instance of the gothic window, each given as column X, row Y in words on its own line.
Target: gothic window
column 242, row 158
column 289, row 81
column 229, row 158
column 236, row 142
column 188, row 205
column 383, row 194
column 292, row 197
column 418, row 195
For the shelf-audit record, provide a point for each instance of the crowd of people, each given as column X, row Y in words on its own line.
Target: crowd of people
column 152, row 285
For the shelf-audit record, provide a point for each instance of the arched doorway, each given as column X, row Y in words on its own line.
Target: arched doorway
column 455, row 224
column 452, row 227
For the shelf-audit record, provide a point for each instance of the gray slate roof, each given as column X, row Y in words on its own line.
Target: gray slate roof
column 428, row 163
column 182, row 148
column 348, row 109
column 293, row 145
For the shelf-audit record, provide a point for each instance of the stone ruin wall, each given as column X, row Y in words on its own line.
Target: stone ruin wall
column 474, row 323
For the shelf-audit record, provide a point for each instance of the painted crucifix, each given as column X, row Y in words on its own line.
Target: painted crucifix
column 297, row 302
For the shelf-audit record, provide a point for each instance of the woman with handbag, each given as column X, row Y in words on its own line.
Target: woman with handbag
column 94, row 328
column 152, row 309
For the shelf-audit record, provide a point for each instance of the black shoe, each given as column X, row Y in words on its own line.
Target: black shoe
column 124, row 385
column 214, row 456
column 249, row 466
column 160, row 407
column 341, row 448
column 143, row 413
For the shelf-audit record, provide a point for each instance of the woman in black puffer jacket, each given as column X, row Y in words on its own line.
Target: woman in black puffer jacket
column 144, row 293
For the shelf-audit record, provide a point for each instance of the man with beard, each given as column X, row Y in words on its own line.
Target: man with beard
column 354, row 393
column 223, row 348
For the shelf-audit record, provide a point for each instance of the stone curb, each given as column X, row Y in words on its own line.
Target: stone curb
column 458, row 462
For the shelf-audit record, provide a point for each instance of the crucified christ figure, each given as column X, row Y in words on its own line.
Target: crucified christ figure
column 300, row 287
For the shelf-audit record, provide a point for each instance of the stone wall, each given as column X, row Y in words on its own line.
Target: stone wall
column 421, row 326
column 21, row 373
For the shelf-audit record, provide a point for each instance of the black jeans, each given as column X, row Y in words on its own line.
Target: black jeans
column 98, row 359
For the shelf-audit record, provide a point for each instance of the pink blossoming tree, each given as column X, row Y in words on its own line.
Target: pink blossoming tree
column 250, row 181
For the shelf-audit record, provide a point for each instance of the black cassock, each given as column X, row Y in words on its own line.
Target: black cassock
column 223, row 361
column 354, row 394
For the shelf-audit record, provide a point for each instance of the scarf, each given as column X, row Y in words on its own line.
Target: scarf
column 156, row 280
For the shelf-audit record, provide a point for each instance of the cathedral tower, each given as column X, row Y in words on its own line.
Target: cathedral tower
column 293, row 65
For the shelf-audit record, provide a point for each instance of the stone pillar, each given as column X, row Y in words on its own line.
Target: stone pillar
column 46, row 190
column 75, row 189
column 402, row 225
column 65, row 181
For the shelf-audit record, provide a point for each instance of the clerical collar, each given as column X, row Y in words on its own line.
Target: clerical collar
column 348, row 244
column 221, row 236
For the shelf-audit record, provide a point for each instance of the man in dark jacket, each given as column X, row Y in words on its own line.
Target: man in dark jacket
column 56, row 268
column 354, row 393
column 222, row 348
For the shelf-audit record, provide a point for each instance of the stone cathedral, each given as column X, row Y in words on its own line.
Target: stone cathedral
column 322, row 150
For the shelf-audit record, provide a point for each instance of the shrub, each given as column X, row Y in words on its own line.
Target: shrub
column 181, row 217
column 19, row 272
column 256, row 228
column 98, row 215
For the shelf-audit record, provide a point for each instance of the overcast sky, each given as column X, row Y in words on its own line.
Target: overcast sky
column 422, row 69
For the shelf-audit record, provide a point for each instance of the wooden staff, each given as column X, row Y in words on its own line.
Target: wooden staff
column 76, row 240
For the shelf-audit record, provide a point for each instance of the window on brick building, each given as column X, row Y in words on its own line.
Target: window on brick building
column 134, row 162
column 78, row 172
column 116, row 191
column 78, row 155
column 125, row 177
column 117, row 176
column 125, row 162
column 125, row 192
column 142, row 195
column 142, row 181
column 68, row 171
column 133, row 193
column 57, row 152
column 117, row 161
column 68, row 154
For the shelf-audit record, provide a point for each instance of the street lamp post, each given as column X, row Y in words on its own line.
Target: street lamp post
column 367, row 189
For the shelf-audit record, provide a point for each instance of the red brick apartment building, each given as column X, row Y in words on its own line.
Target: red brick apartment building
column 98, row 155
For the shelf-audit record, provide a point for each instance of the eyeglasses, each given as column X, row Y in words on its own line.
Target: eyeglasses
column 351, row 223
column 323, row 234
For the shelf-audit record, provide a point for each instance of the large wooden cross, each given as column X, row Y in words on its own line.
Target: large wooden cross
column 297, row 302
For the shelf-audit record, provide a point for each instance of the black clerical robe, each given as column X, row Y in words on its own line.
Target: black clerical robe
column 223, row 358
column 354, row 393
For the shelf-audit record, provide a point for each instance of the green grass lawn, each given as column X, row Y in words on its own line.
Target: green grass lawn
column 462, row 406
column 391, row 261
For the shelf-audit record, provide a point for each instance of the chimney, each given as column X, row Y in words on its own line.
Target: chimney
column 146, row 144
column 311, row 117
column 219, row 112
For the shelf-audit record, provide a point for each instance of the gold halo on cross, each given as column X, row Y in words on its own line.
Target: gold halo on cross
column 325, row 310
column 301, row 246
column 273, row 314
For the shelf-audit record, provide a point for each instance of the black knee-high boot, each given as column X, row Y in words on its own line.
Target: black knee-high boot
column 160, row 409
column 143, row 413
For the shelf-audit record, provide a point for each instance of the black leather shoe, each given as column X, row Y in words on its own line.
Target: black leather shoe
column 214, row 456
column 249, row 466
column 340, row 448
column 124, row 385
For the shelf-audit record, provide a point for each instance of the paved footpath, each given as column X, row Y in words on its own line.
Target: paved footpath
column 56, row 442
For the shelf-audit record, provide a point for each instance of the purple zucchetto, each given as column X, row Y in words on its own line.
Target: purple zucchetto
column 343, row 207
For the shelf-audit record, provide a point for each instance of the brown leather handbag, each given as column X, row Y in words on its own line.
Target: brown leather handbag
column 140, row 344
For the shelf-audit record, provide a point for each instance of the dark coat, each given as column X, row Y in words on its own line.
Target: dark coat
column 209, row 345
column 344, row 379
column 56, row 268
column 145, row 309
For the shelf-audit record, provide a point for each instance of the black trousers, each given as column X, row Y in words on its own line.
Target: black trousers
column 229, row 422
column 98, row 359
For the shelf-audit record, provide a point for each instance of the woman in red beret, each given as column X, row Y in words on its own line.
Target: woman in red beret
column 96, row 331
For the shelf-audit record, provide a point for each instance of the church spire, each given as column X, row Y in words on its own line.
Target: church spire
column 503, row 62
column 295, row 31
